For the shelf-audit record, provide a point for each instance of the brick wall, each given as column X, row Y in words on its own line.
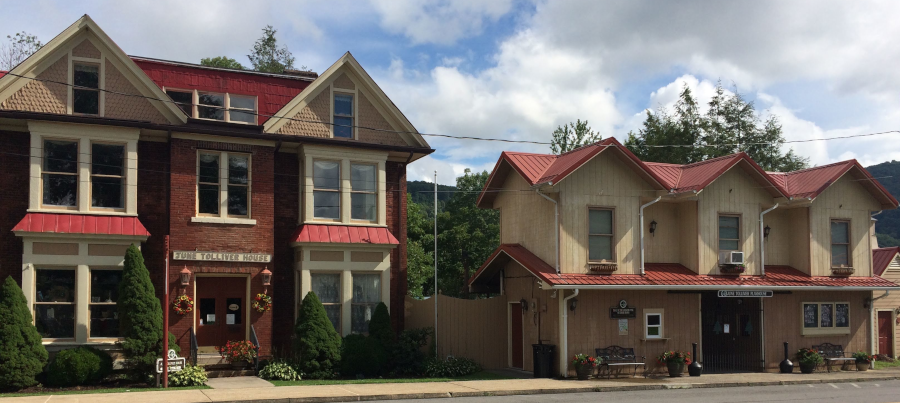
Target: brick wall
column 396, row 221
column 14, row 147
column 287, row 201
column 152, row 199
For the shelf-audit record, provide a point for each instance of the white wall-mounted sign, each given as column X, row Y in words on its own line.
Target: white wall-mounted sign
column 745, row 294
column 222, row 256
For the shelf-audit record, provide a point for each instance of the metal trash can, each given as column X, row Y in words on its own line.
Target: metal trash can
column 543, row 360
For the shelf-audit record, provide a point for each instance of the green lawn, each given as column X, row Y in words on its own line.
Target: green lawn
column 885, row 364
column 480, row 376
column 51, row 391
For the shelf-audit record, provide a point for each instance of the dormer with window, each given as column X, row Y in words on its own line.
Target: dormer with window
column 224, row 106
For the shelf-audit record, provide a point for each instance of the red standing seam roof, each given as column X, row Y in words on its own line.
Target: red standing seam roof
column 324, row 233
column 882, row 257
column 81, row 224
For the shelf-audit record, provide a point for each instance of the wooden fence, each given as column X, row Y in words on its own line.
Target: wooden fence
column 475, row 329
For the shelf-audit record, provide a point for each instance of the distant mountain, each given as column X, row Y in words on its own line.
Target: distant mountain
column 887, row 228
column 423, row 194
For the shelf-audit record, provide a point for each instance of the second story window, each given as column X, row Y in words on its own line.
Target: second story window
column 729, row 232
column 364, row 192
column 241, row 109
column 343, row 115
column 86, row 93
column 60, row 173
column 600, row 235
column 108, row 175
column 840, row 243
column 238, row 185
column 208, row 184
column 223, row 192
column 211, row 106
column 327, row 189
column 184, row 100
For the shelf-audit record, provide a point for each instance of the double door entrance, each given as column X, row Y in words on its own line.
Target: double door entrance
column 221, row 306
column 731, row 334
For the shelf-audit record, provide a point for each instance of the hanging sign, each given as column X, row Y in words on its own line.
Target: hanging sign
column 222, row 256
column 176, row 363
column 745, row 294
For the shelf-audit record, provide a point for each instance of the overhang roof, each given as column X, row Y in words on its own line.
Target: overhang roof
column 352, row 234
column 882, row 257
column 80, row 224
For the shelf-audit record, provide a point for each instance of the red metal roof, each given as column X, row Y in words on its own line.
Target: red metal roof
column 674, row 274
column 81, row 224
column 3, row 73
column 696, row 176
column 811, row 182
column 323, row 233
column 882, row 257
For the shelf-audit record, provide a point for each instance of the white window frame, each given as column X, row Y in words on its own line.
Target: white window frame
column 340, row 302
column 74, row 303
column 662, row 323
column 123, row 177
column 91, row 304
column 373, row 192
column 353, row 302
column 353, row 118
column 195, row 104
column 77, row 174
column 825, row 331
column 338, row 191
column 223, row 217
column 310, row 153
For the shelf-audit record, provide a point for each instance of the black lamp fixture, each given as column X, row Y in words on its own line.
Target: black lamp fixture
column 766, row 231
column 652, row 227
column 524, row 304
column 573, row 303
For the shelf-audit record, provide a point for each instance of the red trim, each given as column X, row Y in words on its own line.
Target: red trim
column 326, row 233
column 81, row 224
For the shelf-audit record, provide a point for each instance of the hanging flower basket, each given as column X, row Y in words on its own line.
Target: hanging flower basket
column 262, row 303
column 732, row 269
column 183, row 304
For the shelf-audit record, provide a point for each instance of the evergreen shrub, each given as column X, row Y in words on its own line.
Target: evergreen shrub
column 79, row 366
column 140, row 316
column 317, row 344
column 22, row 355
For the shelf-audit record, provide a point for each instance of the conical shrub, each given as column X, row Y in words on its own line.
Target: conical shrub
column 140, row 315
column 317, row 344
column 22, row 356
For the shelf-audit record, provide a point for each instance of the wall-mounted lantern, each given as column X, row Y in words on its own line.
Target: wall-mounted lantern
column 266, row 277
column 573, row 303
column 766, row 231
column 652, row 227
column 524, row 304
column 185, row 277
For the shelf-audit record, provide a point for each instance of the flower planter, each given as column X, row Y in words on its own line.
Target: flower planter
column 584, row 372
column 239, row 365
column 675, row 368
column 862, row 366
column 807, row 367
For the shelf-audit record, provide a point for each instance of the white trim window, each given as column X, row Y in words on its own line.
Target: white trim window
column 86, row 92
column 654, row 320
column 55, row 302
column 221, row 106
column 59, row 175
column 327, row 287
column 210, row 106
column 601, row 247
column 366, row 296
column 343, row 115
column 364, row 192
column 223, row 192
column 108, row 175
column 826, row 318
column 327, row 189
column 241, row 109
column 103, row 311
column 183, row 99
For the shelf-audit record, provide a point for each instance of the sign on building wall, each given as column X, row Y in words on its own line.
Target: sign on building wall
column 744, row 294
column 222, row 256
column 623, row 311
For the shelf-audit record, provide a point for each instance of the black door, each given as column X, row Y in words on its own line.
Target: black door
column 730, row 334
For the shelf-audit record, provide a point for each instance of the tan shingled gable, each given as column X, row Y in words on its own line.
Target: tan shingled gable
column 42, row 96
column 312, row 120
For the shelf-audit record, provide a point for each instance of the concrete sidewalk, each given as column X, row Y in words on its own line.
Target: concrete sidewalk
column 393, row 391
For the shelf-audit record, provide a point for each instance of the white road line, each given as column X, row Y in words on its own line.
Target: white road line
column 877, row 385
column 834, row 386
column 855, row 385
column 810, row 385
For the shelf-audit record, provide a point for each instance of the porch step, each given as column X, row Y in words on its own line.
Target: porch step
column 228, row 373
column 207, row 360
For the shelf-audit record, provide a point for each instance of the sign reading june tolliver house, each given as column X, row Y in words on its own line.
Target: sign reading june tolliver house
column 745, row 294
column 222, row 256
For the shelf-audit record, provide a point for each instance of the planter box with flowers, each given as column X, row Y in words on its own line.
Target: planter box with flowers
column 238, row 352
column 737, row 269
column 809, row 359
column 863, row 360
column 584, row 365
column 675, row 361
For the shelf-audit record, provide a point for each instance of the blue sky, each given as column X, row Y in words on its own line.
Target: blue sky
column 520, row 68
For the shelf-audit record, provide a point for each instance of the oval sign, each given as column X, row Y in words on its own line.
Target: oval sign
column 233, row 307
column 623, row 304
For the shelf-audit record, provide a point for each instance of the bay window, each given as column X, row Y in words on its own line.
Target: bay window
column 327, row 189
column 103, row 312
column 54, row 303
column 86, row 92
column 327, row 287
column 364, row 192
column 108, row 175
column 60, row 173
column 366, row 296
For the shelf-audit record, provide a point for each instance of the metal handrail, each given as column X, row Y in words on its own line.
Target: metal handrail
column 194, row 346
column 255, row 341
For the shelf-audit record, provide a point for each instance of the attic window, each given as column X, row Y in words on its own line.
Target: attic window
column 343, row 115
column 86, row 93
column 215, row 106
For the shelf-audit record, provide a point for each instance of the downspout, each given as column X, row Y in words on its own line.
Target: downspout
column 564, row 334
column 872, row 322
column 642, row 230
column 762, row 241
column 555, row 222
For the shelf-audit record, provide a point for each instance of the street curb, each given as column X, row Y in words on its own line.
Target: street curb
column 586, row 389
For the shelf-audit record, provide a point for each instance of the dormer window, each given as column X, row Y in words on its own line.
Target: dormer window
column 211, row 106
column 86, row 92
column 225, row 107
column 343, row 115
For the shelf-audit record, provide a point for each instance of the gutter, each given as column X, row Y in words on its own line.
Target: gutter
column 762, row 241
column 556, row 225
column 641, row 214
column 564, row 334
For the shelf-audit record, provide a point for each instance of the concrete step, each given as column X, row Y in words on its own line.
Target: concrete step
column 228, row 373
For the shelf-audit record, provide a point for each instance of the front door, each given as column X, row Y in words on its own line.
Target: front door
column 730, row 334
column 221, row 309
column 885, row 341
column 515, row 342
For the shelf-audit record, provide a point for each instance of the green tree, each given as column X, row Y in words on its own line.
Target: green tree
column 140, row 315
column 571, row 136
column 221, row 61
column 22, row 355
column 317, row 343
column 17, row 48
column 267, row 57
column 419, row 236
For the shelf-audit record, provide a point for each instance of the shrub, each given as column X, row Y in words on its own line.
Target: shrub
column 317, row 344
column 452, row 367
column 279, row 370
column 407, row 358
column 191, row 375
column 22, row 356
column 359, row 356
column 382, row 340
column 140, row 315
column 79, row 366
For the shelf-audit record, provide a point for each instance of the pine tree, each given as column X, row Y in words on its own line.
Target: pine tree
column 267, row 57
column 571, row 136
column 22, row 355
column 140, row 315
column 317, row 344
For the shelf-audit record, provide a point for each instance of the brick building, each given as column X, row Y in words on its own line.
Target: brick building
column 300, row 174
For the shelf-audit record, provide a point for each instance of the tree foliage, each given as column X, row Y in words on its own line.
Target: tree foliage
column 571, row 136
column 267, row 57
column 730, row 125
column 221, row 61
column 17, row 48
column 419, row 239
column 317, row 343
column 140, row 315
column 22, row 355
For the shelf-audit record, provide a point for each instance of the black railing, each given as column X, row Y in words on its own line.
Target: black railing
column 255, row 341
column 194, row 347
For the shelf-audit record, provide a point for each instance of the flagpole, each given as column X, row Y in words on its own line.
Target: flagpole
column 165, row 306
column 435, row 267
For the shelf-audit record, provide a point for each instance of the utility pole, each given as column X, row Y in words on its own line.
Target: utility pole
column 435, row 266
column 165, row 306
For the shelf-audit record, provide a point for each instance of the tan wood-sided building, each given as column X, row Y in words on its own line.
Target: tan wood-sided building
column 886, row 263
column 599, row 248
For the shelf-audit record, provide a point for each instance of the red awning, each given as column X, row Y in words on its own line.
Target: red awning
column 81, row 224
column 323, row 233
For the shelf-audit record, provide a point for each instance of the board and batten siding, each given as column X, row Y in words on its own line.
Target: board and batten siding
column 675, row 239
column 788, row 242
column 848, row 200
column 735, row 192
column 526, row 218
column 890, row 302
column 540, row 322
column 605, row 181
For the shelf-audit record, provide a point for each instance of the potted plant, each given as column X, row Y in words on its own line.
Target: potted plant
column 584, row 365
column 863, row 360
column 238, row 352
column 675, row 361
column 809, row 359
column 732, row 269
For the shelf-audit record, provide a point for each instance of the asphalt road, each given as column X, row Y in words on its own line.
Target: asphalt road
column 862, row 392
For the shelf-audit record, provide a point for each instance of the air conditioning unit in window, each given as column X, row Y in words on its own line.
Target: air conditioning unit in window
column 731, row 257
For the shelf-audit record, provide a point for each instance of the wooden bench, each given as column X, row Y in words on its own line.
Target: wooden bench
column 833, row 353
column 618, row 357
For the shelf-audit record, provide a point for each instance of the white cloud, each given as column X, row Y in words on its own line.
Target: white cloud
column 439, row 21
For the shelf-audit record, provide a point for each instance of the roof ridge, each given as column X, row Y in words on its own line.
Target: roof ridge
column 596, row 143
column 717, row 159
column 820, row 167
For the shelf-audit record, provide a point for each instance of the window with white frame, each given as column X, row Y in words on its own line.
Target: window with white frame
column 327, row 287
column 223, row 192
column 366, row 296
column 824, row 318
column 241, row 109
column 208, row 184
column 108, row 175
column 327, row 189
column 60, row 173
column 364, row 192
column 211, row 106
column 840, row 243
column 54, row 302
column 729, row 232
column 184, row 100
column 225, row 106
column 600, row 235
column 86, row 91
column 104, row 295
column 653, row 323
column 343, row 115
